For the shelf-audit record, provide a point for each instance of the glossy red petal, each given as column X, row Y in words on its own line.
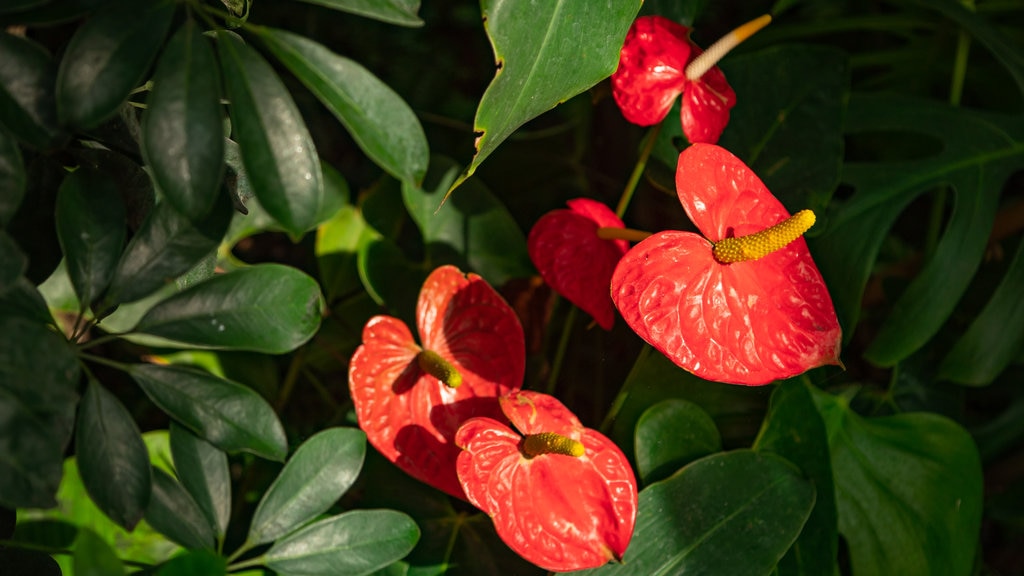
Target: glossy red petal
column 564, row 247
column 706, row 105
column 651, row 69
column 535, row 413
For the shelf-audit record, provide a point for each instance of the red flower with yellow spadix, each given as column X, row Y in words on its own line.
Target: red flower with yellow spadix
column 658, row 62
column 742, row 304
column 562, row 496
column 411, row 398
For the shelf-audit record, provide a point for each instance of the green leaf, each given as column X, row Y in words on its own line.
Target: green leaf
column 908, row 490
column 380, row 122
column 32, row 226
column 12, row 177
column 794, row 430
column 401, row 12
column 228, row 415
column 316, row 475
column 28, row 562
column 337, row 245
column 94, row 557
column 12, row 262
column 350, row 544
column 203, row 471
column 112, row 459
column 729, row 513
column 996, row 335
column 173, row 513
column 277, row 150
column 182, row 132
column 27, row 82
column 20, row 5
column 545, row 55
column 195, row 563
column 107, row 57
column 267, row 308
column 670, row 435
column 91, row 228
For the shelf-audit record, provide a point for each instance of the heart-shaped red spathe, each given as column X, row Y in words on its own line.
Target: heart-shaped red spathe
column 743, row 323
column 652, row 74
column 577, row 264
column 410, row 416
column 560, row 512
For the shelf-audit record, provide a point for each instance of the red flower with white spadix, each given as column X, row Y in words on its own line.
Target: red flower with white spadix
column 742, row 304
column 561, row 496
column 411, row 398
column 658, row 62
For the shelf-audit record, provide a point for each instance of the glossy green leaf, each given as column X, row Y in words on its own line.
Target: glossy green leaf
column 94, row 557
column 228, row 415
column 380, row 122
column 277, row 150
column 316, row 475
column 908, row 490
column 996, row 335
column 182, row 135
column 729, row 513
column 91, row 228
column 107, row 57
column 401, row 12
column 166, row 246
column 267, row 308
column 12, row 262
column 794, row 430
column 195, row 563
column 203, row 471
column 545, row 55
column 28, row 77
column 350, row 544
column 670, row 435
column 112, row 459
column 174, row 513
column 12, row 177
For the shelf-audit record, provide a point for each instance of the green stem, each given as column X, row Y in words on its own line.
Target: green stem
column 563, row 345
column 105, row 361
column 245, row 547
column 638, row 170
column 250, row 563
column 290, row 378
column 99, row 340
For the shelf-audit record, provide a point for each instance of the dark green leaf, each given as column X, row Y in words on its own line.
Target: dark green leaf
column 49, row 534
column 388, row 277
column 28, row 77
column 12, row 178
column 729, row 513
column 173, row 513
column 53, row 12
column 94, row 557
column 23, row 299
column 277, row 150
column 908, row 490
column 203, row 471
column 91, row 228
column 111, row 457
column 316, row 475
column 401, row 12
column 133, row 181
column 20, row 5
column 380, row 122
column 182, row 133
column 32, row 226
column 670, row 435
column 28, row 562
column 228, row 415
column 107, row 57
column 195, row 563
column 12, row 262
column 350, row 544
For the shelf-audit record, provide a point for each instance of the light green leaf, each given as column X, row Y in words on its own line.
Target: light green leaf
column 94, row 557
column 195, row 563
column 401, row 12
column 203, row 471
column 337, row 244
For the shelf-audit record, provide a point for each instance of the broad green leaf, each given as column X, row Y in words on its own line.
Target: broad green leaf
column 173, row 513
column 182, row 135
column 995, row 337
column 112, row 458
column 908, row 490
column 401, row 12
column 12, row 262
column 545, row 55
column 228, row 415
column 46, row 534
column 12, row 177
column 380, row 122
column 316, row 475
column 203, row 471
column 107, row 57
column 20, row 561
column 24, row 300
column 670, row 435
column 389, row 277
column 28, row 77
column 195, row 563
column 133, row 181
column 32, row 226
column 978, row 152
column 350, row 544
column 268, row 308
column 337, row 244
column 91, row 228
column 94, row 557
column 794, row 430
column 729, row 513
column 277, row 150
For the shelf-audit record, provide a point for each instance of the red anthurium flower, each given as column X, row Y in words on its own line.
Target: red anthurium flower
column 411, row 399
column 744, row 305
column 561, row 495
column 574, row 260
column 659, row 62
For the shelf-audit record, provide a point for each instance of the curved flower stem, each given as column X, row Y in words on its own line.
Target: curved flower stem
column 638, row 170
column 612, row 233
column 563, row 344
